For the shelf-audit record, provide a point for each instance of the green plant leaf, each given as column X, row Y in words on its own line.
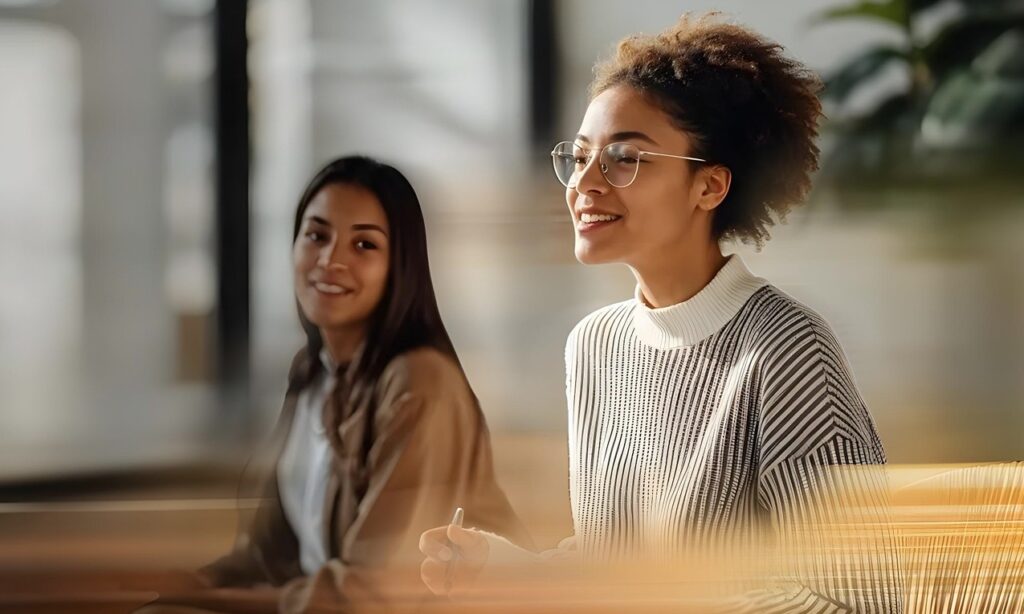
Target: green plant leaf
column 859, row 70
column 916, row 6
column 897, row 109
column 956, row 45
column 987, row 5
column 890, row 11
column 868, row 148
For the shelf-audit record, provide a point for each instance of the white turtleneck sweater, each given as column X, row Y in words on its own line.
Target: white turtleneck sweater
column 716, row 413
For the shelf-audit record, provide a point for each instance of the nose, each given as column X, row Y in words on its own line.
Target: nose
column 591, row 180
column 333, row 256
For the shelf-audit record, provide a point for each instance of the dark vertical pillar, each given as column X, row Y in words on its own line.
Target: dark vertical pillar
column 544, row 63
column 231, row 112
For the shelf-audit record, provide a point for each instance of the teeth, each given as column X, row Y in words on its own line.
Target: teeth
column 590, row 218
column 329, row 288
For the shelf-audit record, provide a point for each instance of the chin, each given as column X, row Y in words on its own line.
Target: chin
column 324, row 318
column 342, row 320
column 587, row 254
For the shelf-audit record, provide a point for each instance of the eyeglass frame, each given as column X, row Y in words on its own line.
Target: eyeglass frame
column 601, row 151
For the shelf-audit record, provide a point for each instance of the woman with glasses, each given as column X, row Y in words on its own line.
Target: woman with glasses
column 711, row 403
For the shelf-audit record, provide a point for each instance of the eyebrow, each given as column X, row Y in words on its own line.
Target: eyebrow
column 366, row 226
column 369, row 227
column 623, row 136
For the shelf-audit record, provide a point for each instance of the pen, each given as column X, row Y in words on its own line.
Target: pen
column 450, row 569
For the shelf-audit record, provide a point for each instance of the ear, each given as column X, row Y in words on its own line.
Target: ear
column 715, row 182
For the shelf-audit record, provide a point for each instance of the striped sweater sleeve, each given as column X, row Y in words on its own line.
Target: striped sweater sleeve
column 821, row 480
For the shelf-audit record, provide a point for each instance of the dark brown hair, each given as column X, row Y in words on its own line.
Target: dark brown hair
column 744, row 105
column 407, row 316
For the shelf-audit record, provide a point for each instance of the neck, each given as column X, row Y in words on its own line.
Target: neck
column 342, row 343
column 668, row 280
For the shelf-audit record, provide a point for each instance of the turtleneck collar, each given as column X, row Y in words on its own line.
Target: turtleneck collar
column 700, row 316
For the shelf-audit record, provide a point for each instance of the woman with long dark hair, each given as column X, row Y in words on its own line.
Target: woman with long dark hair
column 380, row 436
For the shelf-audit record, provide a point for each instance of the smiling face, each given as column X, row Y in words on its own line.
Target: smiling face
column 666, row 204
column 341, row 258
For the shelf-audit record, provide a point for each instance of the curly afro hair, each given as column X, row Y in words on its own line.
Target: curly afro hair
column 744, row 105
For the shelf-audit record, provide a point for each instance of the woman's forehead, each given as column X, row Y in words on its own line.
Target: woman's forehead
column 621, row 110
column 344, row 201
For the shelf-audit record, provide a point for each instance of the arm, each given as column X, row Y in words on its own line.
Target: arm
column 265, row 550
column 488, row 558
column 823, row 486
column 430, row 454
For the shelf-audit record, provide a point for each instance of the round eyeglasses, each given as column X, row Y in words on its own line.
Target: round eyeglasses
column 619, row 162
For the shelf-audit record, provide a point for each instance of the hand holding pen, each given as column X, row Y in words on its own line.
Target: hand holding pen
column 454, row 557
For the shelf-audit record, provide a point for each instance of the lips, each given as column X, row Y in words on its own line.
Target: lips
column 330, row 289
column 593, row 220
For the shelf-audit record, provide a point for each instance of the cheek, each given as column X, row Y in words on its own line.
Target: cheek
column 303, row 261
column 658, row 213
column 375, row 276
column 298, row 264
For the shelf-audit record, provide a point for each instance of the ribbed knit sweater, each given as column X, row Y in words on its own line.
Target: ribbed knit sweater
column 719, row 413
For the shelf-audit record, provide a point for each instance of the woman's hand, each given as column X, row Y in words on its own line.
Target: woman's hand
column 451, row 570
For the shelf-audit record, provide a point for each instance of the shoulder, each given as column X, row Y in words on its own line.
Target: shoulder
column 809, row 396
column 424, row 371
column 424, row 379
column 782, row 326
column 420, row 398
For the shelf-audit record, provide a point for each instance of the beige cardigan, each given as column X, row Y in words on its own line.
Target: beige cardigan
column 429, row 452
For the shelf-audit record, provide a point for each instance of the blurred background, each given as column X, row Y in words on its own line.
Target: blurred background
column 153, row 152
